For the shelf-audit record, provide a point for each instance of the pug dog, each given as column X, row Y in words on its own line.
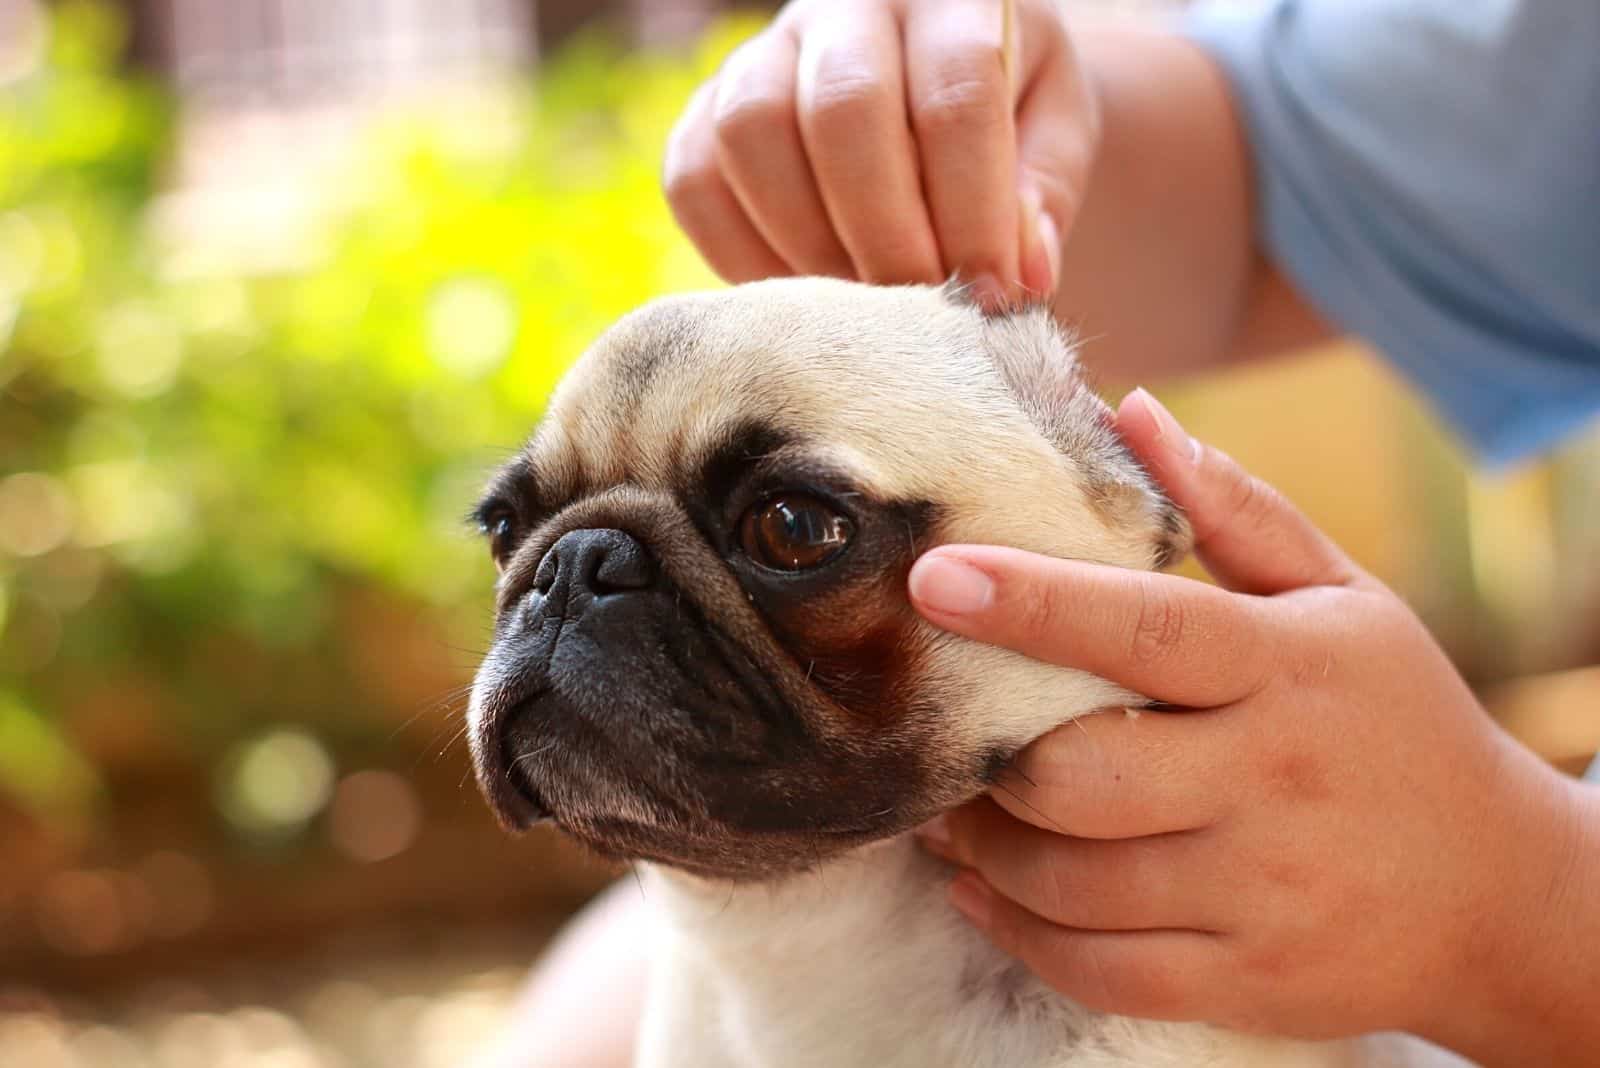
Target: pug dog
column 704, row 661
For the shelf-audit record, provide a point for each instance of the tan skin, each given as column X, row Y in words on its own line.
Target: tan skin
column 1335, row 838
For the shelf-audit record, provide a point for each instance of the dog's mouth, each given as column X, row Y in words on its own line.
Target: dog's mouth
column 522, row 806
column 719, row 853
column 734, row 816
column 504, row 762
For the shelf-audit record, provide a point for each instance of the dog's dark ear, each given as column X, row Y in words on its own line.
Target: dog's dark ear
column 1038, row 363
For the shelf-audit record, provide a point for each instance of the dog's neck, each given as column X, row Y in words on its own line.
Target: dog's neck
column 846, row 898
column 784, row 961
column 863, row 961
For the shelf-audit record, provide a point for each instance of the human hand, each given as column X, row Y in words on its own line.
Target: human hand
column 883, row 140
column 1332, row 838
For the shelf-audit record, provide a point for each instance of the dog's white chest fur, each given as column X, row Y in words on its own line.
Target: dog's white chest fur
column 864, row 964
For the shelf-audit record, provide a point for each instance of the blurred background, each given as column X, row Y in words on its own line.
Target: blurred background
column 280, row 282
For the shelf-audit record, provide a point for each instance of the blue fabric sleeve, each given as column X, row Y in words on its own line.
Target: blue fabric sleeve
column 1428, row 176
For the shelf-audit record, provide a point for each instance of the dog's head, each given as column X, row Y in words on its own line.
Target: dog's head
column 703, row 651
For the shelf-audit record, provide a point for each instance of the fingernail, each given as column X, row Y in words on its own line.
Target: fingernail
column 972, row 898
column 1173, row 438
column 935, row 834
column 989, row 293
column 950, row 586
column 1041, row 246
column 1050, row 236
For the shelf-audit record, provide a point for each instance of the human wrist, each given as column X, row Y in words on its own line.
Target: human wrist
column 1523, row 991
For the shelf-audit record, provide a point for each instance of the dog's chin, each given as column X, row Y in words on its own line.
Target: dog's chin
column 624, row 811
column 719, row 854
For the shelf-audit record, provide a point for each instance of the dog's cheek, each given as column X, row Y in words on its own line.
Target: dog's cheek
column 859, row 646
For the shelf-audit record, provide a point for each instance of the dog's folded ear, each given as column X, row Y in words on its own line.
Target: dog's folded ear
column 1038, row 363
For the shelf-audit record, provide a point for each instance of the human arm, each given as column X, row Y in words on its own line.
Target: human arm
column 1162, row 270
column 1333, row 839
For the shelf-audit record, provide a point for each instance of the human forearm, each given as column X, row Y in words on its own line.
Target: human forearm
column 1528, row 986
column 1160, row 268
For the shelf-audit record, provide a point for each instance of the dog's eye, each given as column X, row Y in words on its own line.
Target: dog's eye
column 501, row 530
column 794, row 532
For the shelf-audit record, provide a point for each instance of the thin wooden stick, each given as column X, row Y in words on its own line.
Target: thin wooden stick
column 1008, row 42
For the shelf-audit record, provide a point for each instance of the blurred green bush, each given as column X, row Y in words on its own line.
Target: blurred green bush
column 198, row 470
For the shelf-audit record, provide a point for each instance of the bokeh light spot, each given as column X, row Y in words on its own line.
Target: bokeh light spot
column 277, row 782
column 35, row 514
column 340, row 1008
column 139, row 350
column 127, row 501
column 35, row 1040
column 21, row 254
column 67, row 578
column 38, row 765
column 199, row 1040
column 456, row 1023
column 182, row 891
column 103, row 1047
column 472, row 324
column 81, row 913
column 375, row 815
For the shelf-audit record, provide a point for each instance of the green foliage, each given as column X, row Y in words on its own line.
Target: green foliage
column 225, row 454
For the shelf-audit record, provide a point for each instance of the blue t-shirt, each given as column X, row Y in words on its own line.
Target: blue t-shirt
column 1428, row 176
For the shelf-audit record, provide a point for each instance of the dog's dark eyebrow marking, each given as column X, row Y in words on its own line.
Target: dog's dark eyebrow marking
column 743, row 445
column 513, row 487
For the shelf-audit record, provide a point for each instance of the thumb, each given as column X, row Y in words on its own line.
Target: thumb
column 1246, row 533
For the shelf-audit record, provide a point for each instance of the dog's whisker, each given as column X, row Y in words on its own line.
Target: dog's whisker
column 444, row 700
column 1011, row 766
column 1030, row 807
column 451, row 731
column 460, row 733
column 818, row 867
column 536, row 754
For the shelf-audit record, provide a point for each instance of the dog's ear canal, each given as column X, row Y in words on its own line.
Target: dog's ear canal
column 1039, row 364
column 1131, row 499
column 1176, row 540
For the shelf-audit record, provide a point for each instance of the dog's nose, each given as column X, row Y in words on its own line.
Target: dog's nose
column 601, row 561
